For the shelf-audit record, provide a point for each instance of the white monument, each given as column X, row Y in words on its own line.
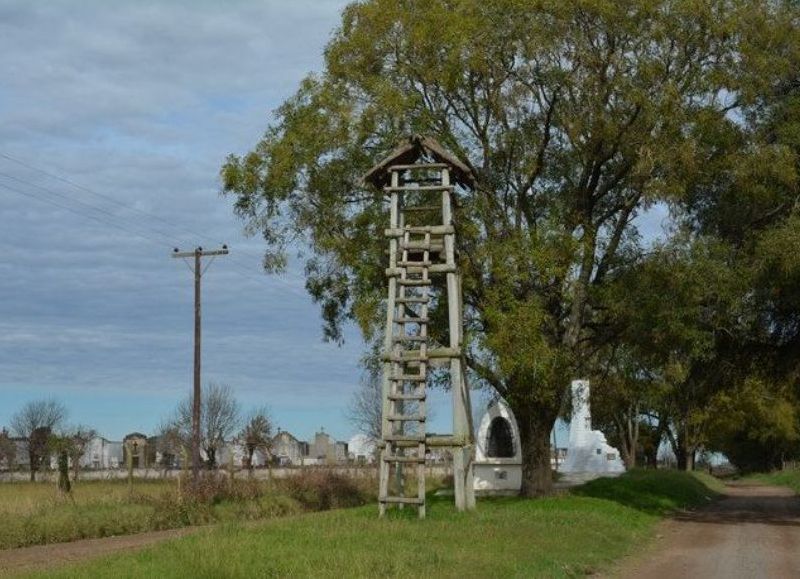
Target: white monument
column 588, row 451
column 498, row 455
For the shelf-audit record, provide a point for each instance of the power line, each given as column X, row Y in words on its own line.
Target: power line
column 243, row 266
column 89, row 206
column 192, row 233
column 80, row 214
column 119, row 222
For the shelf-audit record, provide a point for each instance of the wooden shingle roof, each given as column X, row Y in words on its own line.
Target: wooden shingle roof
column 409, row 151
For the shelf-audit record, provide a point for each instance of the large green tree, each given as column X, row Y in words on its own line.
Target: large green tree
column 573, row 116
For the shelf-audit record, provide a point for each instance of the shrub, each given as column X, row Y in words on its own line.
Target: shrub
column 321, row 490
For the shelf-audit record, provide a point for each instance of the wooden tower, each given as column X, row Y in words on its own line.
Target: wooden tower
column 419, row 178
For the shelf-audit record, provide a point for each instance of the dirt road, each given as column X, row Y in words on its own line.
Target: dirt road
column 754, row 532
column 40, row 556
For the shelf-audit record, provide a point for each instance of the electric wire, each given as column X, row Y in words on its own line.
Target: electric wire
column 194, row 234
column 116, row 221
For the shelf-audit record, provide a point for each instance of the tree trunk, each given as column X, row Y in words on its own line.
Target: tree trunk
column 211, row 454
column 535, row 428
column 32, row 465
column 63, row 473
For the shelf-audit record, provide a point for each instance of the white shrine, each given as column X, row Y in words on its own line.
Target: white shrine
column 498, row 452
column 498, row 455
column 588, row 451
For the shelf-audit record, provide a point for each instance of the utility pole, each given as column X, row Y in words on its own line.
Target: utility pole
column 198, row 272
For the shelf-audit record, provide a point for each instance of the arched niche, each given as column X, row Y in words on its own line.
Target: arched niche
column 500, row 439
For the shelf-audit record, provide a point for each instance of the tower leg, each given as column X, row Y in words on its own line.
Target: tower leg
column 383, row 489
column 469, row 483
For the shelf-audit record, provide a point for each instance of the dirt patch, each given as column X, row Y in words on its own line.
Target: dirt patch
column 42, row 556
column 754, row 531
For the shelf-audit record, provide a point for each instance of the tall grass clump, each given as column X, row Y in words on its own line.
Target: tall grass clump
column 322, row 490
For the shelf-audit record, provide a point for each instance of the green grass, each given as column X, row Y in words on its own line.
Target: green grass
column 654, row 492
column 785, row 478
column 567, row 536
column 25, row 498
column 36, row 513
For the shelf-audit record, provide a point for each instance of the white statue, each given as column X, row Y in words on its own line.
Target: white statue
column 588, row 450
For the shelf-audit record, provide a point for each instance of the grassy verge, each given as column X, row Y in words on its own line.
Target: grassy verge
column 784, row 478
column 655, row 492
column 35, row 513
column 566, row 536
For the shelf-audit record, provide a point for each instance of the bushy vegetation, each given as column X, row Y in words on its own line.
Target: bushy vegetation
column 35, row 513
column 787, row 478
column 566, row 536
column 656, row 492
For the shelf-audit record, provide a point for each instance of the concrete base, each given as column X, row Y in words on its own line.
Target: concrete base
column 503, row 477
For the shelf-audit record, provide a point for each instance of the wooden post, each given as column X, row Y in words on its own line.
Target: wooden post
column 197, row 270
column 130, row 466
column 197, row 352
column 383, row 466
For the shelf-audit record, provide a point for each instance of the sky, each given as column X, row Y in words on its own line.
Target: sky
column 115, row 118
column 114, row 121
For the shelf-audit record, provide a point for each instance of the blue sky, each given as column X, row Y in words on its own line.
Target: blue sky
column 140, row 103
column 131, row 107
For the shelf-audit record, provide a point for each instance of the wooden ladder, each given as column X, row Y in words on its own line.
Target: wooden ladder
column 413, row 252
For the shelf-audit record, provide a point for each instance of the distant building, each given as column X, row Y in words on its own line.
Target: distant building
column 101, row 454
column 22, row 459
column 236, row 450
column 136, row 444
column 327, row 450
column 288, row 450
column 361, row 449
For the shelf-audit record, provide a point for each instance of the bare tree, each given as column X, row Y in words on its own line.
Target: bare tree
column 365, row 410
column 170, row 444
column 35, row 422
column 79, row 438
column 256, row 434
column 366, row 405
column 8, row 450
column 219, row 419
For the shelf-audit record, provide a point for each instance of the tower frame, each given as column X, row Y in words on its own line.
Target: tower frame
column 420, row 179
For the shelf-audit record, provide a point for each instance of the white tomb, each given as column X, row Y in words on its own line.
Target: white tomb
column 498, row 455
column 588, row 451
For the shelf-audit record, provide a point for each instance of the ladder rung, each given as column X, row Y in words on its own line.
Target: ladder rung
column 414, row 269
column 411, row 300
column 414, row 282
column 406, row 418
column 419, row 230
column 420, row 188
column 408, row 356
column 404, row 438
column 419, row 208
column 415, row 459
column 414, row 263
column 422, row 246
column 420, row 396
column 409, row 378
column 403, row 500
column 409, row 338
column 408, row 320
